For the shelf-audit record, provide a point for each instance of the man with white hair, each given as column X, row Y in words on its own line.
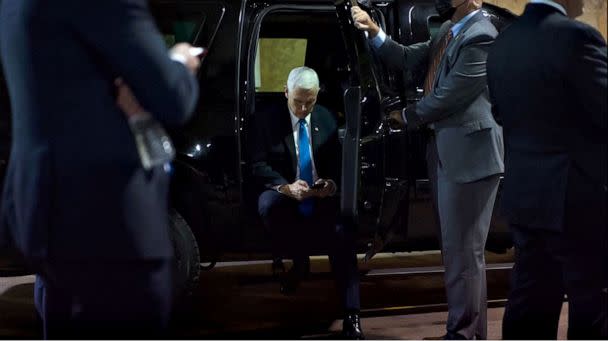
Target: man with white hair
column 296, row 163
column 547, row 75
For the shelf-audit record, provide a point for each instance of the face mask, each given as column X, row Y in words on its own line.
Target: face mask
column 445, row 9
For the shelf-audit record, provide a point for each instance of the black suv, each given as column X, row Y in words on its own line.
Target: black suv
column 252, row 45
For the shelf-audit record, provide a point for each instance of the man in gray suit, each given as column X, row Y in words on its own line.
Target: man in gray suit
column 465, row 154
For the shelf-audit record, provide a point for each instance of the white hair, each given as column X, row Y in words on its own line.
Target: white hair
column 302, row 78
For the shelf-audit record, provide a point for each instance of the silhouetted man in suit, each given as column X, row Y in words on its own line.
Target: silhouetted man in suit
column 77, row 202
column 547, row 76
column 295, row 146
column 465, row 153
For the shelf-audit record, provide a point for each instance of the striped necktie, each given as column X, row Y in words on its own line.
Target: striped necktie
column 429, row 82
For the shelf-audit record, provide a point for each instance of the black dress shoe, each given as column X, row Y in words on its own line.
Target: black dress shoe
column 278, row 269
column 448, row 336
column 290, row 282
column 454, row 336
column 291, row 279
column 351, row 328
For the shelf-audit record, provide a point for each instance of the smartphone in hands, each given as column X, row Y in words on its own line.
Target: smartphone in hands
column 318, row 185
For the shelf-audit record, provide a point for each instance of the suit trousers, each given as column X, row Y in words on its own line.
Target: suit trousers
column 464, row 211
column 117, row 300
column 549, row 264
column 296, row 236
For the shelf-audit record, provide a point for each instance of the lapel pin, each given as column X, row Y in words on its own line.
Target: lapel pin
column 316, row 128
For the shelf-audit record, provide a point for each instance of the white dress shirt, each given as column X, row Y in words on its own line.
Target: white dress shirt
column 458, row 26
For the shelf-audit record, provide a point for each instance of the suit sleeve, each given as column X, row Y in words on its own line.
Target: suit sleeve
column 587, row 74
column 124, row 34
column 400, row 57
column 259, row 143
column 465, row 82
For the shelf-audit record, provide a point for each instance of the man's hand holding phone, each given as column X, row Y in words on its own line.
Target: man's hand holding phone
column 188, row 55
column 298, row 190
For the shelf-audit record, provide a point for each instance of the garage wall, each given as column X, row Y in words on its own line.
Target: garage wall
column 595, row 11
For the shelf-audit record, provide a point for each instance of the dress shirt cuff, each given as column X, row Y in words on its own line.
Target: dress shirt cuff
column 277, row 187
column 178, row 58
column 379, row 39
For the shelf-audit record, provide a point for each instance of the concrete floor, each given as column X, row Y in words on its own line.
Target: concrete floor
column 240, row 301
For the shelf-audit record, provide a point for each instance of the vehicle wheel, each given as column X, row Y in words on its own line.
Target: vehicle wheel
column 187, row 257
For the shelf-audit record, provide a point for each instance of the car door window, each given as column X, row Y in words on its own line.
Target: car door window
column 275, row 57
column 289, row 38
column 199, row 23
column 191, row 22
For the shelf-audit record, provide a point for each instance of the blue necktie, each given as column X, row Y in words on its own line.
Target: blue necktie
column 305, row 164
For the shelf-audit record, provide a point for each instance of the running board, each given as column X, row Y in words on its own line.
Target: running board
column 423, row 270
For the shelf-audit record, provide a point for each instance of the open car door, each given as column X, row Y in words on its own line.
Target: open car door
column 374, row 167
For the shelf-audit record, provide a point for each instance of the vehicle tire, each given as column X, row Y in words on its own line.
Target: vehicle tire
column 187, row 269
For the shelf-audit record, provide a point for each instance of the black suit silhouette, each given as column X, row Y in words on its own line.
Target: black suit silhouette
column 547, row 76
column 76, row 202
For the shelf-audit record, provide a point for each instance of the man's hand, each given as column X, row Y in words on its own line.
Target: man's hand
column 182, row 51
column 328, row 188
column 125, row 99
column 364, row 22
column 395, row 119
column 298, row 190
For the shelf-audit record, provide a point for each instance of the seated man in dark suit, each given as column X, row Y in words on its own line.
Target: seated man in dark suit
column 295, row 154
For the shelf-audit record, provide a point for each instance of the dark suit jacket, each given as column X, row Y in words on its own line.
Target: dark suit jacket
column 273, row 151
column 469, row 142
column 75, row 189
column 547, row 77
